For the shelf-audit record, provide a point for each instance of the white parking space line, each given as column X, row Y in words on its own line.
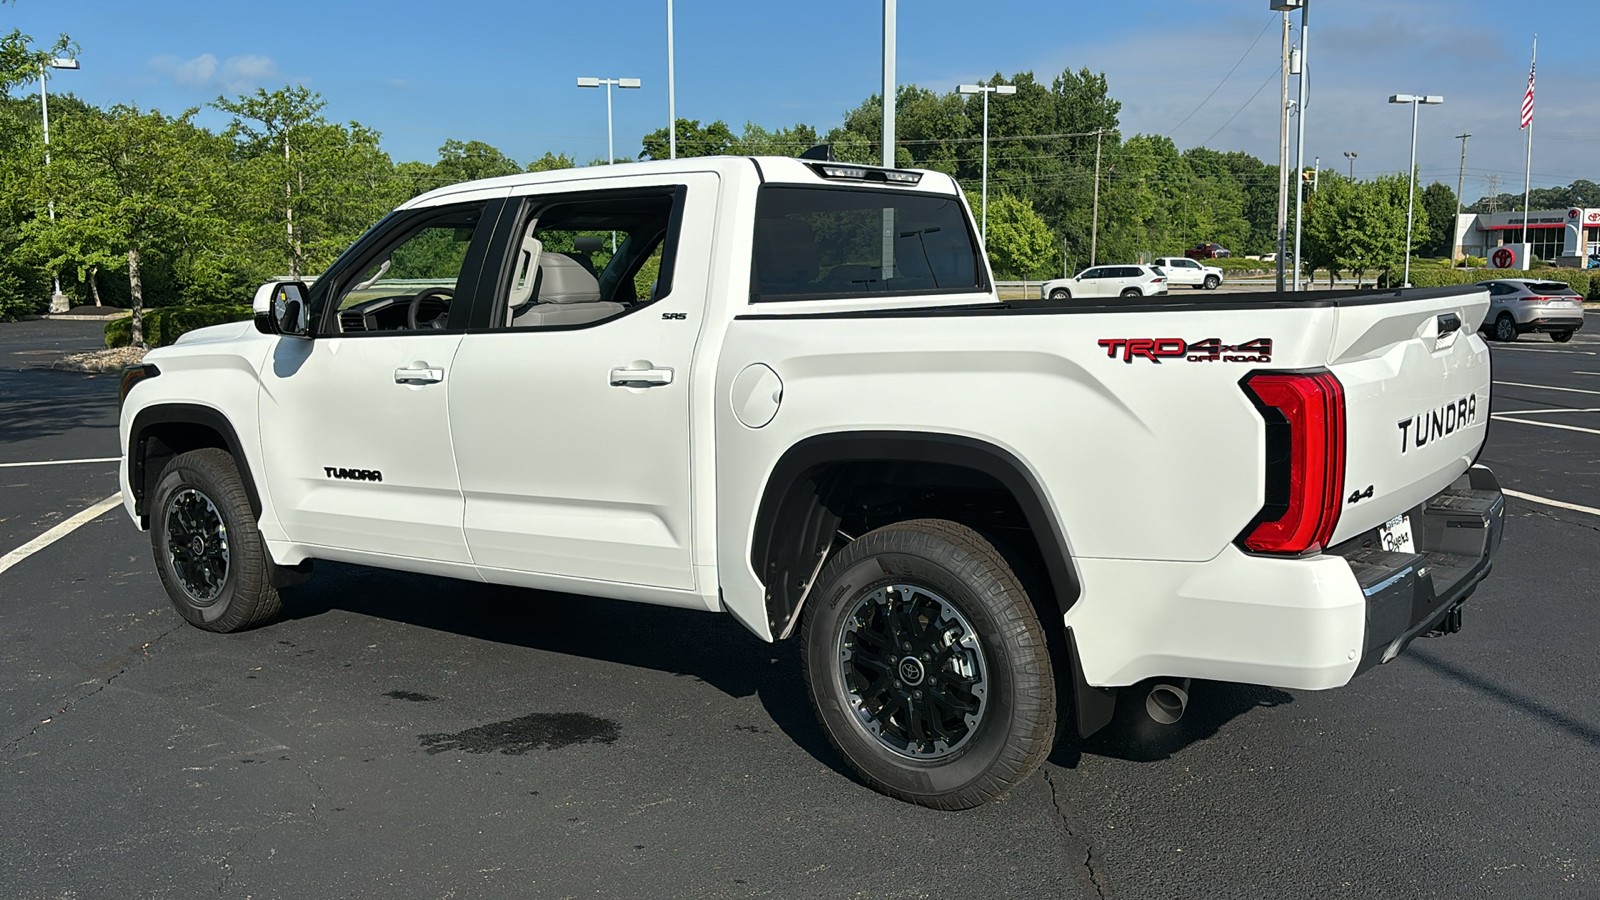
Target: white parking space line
column 1550, row 350
column 61, row 462
column 1500, row 418
column 60, row 531
column 1533, row 412
column 1547, row 387
column 1576, row 372
column 1573, row 506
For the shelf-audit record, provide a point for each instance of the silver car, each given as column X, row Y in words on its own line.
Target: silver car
column 1520, row 305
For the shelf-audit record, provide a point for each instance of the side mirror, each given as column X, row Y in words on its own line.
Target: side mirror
column 282, row 307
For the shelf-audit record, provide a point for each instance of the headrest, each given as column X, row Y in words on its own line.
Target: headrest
column 525, row 281
column 565, row 280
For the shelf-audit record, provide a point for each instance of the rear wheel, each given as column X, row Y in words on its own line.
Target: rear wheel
column 1212, row 282
column 1505, row 328
column 1561, row 337
column 209, row 554
column 1060, row 294
column 927, row 666
column 1132, row 292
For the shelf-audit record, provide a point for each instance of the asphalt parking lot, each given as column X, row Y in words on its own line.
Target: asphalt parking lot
column 407, row 736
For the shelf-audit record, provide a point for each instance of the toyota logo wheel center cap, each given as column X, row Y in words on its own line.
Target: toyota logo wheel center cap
column 911, row 671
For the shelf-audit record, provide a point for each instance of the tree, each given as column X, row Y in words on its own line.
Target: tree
column 715, row 139
column 1020, row 244
column 23, row 285
column 550, row 162
column 1440, row 202
column 130, row 183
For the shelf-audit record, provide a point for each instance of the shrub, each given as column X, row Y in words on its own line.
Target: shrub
column 1440, row 277
column 165, row 325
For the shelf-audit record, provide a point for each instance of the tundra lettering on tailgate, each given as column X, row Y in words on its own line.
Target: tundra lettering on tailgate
column 1437, row 423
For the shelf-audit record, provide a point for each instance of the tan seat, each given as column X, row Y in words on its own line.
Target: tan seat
column 567, row 295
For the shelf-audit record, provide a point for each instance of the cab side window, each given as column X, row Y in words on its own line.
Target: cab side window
column 584, row 259
column 410, row 282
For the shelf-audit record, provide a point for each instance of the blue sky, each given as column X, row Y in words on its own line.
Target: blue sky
column 504, row 72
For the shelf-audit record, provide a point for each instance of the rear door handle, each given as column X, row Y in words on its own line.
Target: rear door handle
column 640, row 378
column 418, row 375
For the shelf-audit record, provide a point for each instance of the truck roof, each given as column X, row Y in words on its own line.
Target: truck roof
column 779, row 169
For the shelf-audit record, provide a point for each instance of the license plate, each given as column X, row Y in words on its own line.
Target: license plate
column 1396, row 535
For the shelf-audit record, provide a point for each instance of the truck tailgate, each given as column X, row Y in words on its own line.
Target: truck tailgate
column 1416, row 380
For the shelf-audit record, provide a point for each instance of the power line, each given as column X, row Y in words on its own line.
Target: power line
column 1223, row 81
column 1275, row 74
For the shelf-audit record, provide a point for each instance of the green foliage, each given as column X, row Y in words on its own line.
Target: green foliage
column 1440, row 202
column 549, row 162
column 1360, row 226
column 164, row 326
column 1021, row 245
column 1581, row 193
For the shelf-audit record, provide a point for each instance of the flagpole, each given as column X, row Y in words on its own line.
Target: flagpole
column 1527, row 172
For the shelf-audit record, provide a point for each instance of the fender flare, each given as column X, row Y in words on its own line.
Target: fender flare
column 793, row 527
column 184, row 414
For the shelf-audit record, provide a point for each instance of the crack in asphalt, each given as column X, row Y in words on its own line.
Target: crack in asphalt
column 140, row 655
column 1092, row 866
column 227, row 868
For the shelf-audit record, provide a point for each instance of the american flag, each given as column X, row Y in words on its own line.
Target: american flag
column 1527, row 101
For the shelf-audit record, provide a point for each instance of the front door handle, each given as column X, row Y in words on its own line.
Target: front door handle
column 417, row 373
column 640, row 378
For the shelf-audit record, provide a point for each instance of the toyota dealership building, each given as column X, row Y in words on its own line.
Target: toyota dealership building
column 1566, row 237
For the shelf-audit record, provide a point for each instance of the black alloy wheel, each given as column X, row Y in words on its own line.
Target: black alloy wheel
column 927, row 665
column 208, row 550
column 1505, row 328
column 197, row 545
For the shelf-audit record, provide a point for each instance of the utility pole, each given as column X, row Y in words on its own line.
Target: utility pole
column 1461, row 179
column 1094, row 227
column 672, row 93
column 1300, row 139
column 1283, row 161
column 888, row 83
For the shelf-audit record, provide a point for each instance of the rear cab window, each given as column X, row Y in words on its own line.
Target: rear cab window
column 826, row 242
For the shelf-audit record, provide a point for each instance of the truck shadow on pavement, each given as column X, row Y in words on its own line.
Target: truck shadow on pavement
column 42, row 402
column 712, row 648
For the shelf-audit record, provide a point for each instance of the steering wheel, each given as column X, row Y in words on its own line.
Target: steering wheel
column 439, row 321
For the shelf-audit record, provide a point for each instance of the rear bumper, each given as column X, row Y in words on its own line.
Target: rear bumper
column 1550, row 323
column 1308, row 623
column 1456, row 534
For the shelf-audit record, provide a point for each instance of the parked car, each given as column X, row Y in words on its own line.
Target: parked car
column 1183, row 270
column 787, row 430
column 1522, row 305
column 1208, row 250
column 1107, row 281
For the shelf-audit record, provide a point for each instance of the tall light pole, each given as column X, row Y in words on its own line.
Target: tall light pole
column 672, row 93
column 1461, row 183
column 986, row 90
column 1351, row 155
column 611, row 151
column 889, row 89
column 1411, row 195
column 58, row 300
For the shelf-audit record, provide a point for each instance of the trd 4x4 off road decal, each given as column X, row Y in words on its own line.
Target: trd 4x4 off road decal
column 1208, row 350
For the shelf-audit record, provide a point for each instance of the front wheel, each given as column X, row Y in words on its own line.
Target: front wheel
column 1505, row 328
column 209, row 554
column 1212, row 282
column 1060, row 294
column 1561, row 337
column 927, row 666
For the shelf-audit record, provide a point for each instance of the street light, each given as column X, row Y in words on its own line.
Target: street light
column 986, row 90
column 1411, row 196
column 611, row 152
column 1351, row 155
column 58, row 300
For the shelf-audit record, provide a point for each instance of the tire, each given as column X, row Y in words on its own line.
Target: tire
column 1212, row 282
column 1505, row 328
column 1561, row 337
column 1060, row 294
column 1132, row 292
column 997, row 668
column 207, row 548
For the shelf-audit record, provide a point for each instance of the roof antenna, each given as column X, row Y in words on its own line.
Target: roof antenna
column 823, row 152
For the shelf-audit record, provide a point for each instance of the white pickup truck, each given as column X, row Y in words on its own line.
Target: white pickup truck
column 786, row 390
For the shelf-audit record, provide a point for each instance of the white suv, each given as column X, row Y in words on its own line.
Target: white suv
column 1182, row 270
column 1107, row 281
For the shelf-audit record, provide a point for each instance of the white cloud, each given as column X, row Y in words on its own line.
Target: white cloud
column 236, row 73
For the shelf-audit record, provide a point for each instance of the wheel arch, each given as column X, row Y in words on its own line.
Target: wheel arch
column 801, row 505
column 164, row 430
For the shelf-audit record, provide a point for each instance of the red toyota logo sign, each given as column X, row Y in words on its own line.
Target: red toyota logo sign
column 1572, row 214
column 1503, row 258
column 1594, row 217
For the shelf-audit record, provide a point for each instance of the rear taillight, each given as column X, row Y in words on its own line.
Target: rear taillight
column 1304, row 413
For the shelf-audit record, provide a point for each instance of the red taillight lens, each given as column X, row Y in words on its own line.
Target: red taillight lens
column 1305, row 460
